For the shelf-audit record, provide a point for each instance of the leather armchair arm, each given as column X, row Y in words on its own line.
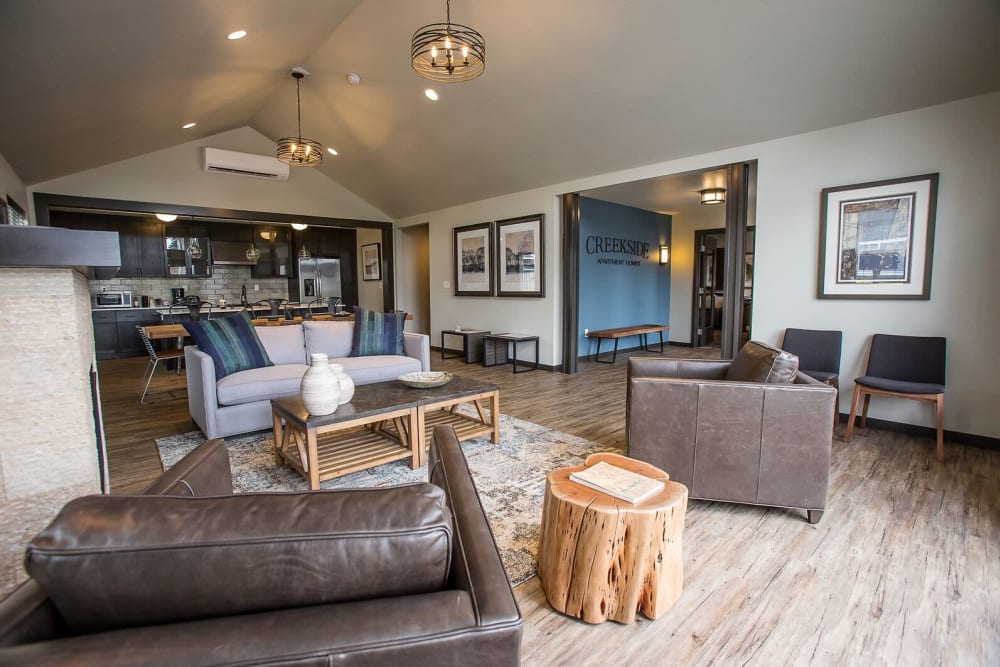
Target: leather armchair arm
column 476, row 565
column 204, row 471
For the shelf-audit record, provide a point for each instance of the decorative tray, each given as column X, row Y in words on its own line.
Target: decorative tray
column 425, row 379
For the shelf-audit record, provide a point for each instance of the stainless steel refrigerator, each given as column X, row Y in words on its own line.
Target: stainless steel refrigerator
column 319, row 278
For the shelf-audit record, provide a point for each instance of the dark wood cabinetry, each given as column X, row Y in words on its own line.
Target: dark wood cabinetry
column 142, row 249
column 188, row 250
column 331, row 242
column 115, row 334
column 274, row 244
column 140, row 239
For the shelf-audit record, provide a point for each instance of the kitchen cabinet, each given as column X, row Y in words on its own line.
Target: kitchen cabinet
column 140, row 239
column 142, row 252
column 188, row 250
column 105, row 334
column 274, row 244
column 115, row 334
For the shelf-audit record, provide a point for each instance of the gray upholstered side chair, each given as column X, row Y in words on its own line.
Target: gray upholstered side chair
column 903, row 367
column 819, row 356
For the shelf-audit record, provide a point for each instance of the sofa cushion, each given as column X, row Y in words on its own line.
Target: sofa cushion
column 377, row 333
column 366, row 370
column 259, row 384
column 231, row 341
column 116, row 561
column 284, row 344
column 758, row 362
column 330, row 338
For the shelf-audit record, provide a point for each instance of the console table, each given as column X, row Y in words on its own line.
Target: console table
column 494, row 355
column 472, row 344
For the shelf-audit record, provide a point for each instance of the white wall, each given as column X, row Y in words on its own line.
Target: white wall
column 960, row 140
column 11, row 184
column 413, row 272
column 369, row 291
column 682, row 258
column 175, row 176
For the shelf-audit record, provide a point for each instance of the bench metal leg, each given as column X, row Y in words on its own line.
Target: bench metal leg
column 614, row 353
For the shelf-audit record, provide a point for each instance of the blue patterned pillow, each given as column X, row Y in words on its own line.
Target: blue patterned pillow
column 231, row 341
column 377, row 333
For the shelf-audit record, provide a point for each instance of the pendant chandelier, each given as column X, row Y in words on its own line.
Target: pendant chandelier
column 296, row 151
column 448, row 52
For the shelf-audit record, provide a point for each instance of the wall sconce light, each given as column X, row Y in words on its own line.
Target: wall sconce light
column 713, row 196
column 664, row 254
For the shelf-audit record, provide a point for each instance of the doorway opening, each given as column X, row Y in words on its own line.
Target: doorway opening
column 709, row 282
column 413, row 269
column 678, row 197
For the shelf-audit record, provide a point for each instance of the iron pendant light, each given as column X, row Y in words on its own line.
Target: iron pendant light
column 296, row 151
column 448, row 52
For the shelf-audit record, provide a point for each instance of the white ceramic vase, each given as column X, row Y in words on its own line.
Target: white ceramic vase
column 320, row 388
column 346, row 383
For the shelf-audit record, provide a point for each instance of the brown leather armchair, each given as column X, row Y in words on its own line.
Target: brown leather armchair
column 742, row 442
column 406, row 575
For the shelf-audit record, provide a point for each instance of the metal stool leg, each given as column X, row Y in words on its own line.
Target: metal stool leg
column 145, row 390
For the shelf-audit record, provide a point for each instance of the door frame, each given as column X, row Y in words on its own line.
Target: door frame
column 741, row 204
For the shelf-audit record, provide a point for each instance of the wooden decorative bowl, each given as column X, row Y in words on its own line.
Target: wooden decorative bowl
column 425, row 379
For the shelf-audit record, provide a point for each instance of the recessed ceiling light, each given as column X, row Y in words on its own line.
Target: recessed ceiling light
column 237, row 34
column 354, row 78
column 188, row 126
column 331, row 151
column 431, row 94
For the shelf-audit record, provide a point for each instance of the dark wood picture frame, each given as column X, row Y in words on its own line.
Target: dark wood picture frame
column 473, row 259
column 520, row 256
column 369, row 270
column 876, row 240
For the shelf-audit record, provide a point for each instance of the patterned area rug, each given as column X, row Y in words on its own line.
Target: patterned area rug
column 510, row 477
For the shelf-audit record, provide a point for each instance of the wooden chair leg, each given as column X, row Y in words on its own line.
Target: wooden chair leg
column 864, row 411
column 940, row 427
column 854, row 411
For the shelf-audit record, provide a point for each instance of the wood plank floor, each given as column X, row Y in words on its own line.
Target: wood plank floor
column 903, row 569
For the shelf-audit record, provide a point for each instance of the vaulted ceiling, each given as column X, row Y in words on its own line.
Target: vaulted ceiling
column 572, row 88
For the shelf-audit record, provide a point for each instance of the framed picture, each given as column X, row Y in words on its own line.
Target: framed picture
column 876, row 240
column 473, row 270
column 520, row 256
column 371, row 261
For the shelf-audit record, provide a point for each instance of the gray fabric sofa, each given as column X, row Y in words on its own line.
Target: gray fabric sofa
column 741, row 442
column 240, row 402
column 406, row 575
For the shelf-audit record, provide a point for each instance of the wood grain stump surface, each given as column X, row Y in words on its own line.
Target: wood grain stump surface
column 602, row 558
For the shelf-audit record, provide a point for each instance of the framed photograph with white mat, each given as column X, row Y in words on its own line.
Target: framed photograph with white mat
column 371, row 261
column 876, row 239
column 473, row 260
column 520, row 256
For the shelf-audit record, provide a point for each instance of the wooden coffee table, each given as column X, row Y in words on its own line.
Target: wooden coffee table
column 602, row 558
column 384, row 422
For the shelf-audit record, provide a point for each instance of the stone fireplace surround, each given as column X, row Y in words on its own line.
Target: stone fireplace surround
column 49, row 446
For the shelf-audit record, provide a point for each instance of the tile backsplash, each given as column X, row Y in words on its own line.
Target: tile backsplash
column 225, row 281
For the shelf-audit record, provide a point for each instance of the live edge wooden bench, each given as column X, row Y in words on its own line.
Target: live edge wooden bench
column 641, row 330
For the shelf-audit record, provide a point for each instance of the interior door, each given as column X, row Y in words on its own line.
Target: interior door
column 703, row 322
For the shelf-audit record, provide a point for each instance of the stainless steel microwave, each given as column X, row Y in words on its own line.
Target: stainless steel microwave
column 112, row 299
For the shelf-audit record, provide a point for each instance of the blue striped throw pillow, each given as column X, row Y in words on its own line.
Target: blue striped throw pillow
column 231, row 341
column 377, row 333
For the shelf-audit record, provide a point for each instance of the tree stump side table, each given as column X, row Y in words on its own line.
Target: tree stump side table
column 603, row 558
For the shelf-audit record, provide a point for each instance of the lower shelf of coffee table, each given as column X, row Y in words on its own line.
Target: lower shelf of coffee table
column 345, row 452
column 466, row 427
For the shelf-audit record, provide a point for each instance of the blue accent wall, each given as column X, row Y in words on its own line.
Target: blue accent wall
column 619, row 285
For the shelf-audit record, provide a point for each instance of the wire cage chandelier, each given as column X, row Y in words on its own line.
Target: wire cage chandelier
column 448, row 52
column 296, row 151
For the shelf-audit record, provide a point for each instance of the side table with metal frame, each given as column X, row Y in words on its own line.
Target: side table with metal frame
column 494, row 355
column 472, row 344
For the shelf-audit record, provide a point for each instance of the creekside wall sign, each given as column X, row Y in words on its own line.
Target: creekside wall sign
column 616, row 246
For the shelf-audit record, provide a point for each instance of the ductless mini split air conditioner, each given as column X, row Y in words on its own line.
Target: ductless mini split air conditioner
column 245, row 164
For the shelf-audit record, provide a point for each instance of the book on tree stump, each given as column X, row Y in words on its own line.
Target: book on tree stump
column 617, row 482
